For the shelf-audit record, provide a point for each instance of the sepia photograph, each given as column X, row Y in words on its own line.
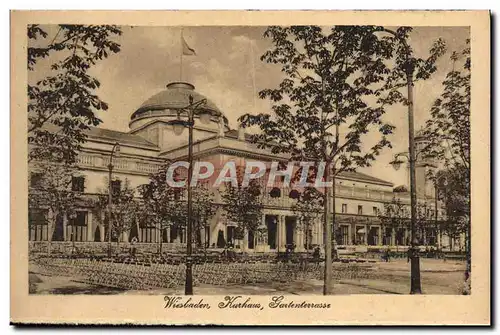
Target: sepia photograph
column 271, row 160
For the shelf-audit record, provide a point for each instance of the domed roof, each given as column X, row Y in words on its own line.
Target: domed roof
column 176, row 96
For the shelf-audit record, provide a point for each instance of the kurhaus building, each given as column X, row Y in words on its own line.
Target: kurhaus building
column 151, row 142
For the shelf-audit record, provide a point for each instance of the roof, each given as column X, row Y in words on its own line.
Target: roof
column 119, row 136
column 363, row 177
column 108, row 134
column 176, row 96
column 233, row 133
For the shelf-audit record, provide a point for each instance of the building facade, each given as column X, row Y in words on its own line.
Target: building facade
column 360, row 202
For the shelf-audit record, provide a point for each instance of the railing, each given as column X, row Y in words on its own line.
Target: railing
column 146, row 167
column 86, row 160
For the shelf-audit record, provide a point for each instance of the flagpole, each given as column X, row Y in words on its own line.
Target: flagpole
column 253, row 73
column 180, row 45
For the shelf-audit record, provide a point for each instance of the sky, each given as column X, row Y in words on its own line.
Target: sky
column 227, row 69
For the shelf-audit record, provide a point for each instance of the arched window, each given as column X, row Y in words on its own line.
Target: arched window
column 294, row 194
column 275, row 193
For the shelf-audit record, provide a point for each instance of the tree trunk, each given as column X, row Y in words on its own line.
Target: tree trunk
column 205, row 242
column 334, row 222
column 160, row 240
column 468, row 264
column 327, row 238
column 160, row 246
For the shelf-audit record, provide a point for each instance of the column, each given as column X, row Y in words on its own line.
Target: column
column 168, row 233
column 350, row 236
column 158, row 234
column 104, row 227
column 102, row 232
column 90, row 227
column 380, row 242
column 65, row 224
column 393, row 236
column 245, row 240
column 366, row 234
column 179, row 237
column 277, row 237
column 298, row 238
column 279, row 233
column 312, row 226
column 282, row 230
column 315, row 232
column 438, row 237
column 353, row 228
column 125, row 236
column 261, row 239
column 283, row 227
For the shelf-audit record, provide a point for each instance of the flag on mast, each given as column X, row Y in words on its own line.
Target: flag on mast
column 186, row 49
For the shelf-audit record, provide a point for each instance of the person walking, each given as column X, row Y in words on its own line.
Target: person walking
column 133, row 247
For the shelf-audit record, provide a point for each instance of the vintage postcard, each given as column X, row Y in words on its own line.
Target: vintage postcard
column 250, row 168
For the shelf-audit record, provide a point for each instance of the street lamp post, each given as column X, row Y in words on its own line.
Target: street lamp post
column 415, row 285
column 409, row 69
column 178, row 126
column 115, row 149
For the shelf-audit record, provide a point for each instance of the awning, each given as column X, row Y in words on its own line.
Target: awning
column 361, row 231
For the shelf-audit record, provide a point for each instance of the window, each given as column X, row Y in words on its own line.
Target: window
column 279, row 179
column 231, row 234
column 116, row 186
column 35, row 179
column 147, row 230
column 76, row 229
column 275, row 193
column 38, row 224
column 360, row 210
column 309, row 239
column 77, row 184
column 375, row 210
column 344, row 233
column 344, row 208
column 400, row 236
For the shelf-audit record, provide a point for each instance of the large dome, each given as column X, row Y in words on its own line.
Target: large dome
column 169, row 101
